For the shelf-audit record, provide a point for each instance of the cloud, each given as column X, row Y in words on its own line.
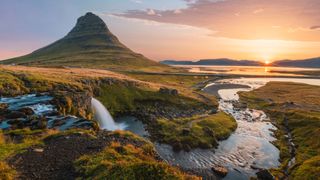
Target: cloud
column 257, row 11
column 315, row 27
column 244, row 19
column 136, row 1
column 177, row 11
column 151, row 12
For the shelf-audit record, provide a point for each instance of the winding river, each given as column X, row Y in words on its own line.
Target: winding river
column 248, row 149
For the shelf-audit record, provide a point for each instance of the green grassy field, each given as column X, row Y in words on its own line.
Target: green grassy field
column 197, row 131
column 127, row 162
column 297, row 107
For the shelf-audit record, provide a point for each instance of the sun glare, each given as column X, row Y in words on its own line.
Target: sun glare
column 266, row 62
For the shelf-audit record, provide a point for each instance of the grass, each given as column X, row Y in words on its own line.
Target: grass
column 120, row 98
column 299, row 105
column 126, row 162
column 198, row 131
column 171, row 80
column 8, row 147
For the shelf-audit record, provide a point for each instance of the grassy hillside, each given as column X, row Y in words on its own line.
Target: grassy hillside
column 293, row 107
column 89, row 44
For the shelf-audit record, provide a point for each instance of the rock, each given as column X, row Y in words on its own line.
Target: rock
column 168, row 91
column 39, row 150
column 185, row 131
column 3, row 106
column 255, row 167
column 27, row 111
column 264, row 175
column 41, row 124
column 220, row 170
column 16, row 123
column 209, row 131
column 177, row 146
column 15, row 115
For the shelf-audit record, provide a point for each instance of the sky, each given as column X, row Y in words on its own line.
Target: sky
column 173, row 29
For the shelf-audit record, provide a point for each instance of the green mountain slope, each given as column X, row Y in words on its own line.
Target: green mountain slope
column 89, row 44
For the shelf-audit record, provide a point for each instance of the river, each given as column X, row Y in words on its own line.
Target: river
column 248, row 149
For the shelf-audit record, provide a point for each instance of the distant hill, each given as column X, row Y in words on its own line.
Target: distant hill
column 214, row 62
column 89, row 44
column 309, row 63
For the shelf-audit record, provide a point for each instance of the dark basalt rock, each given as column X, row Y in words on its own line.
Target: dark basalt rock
column 15, row 115
column 27, row 111
column 168, row 91
column 264, row 175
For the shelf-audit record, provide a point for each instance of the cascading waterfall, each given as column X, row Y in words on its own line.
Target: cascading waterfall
column 103, row 116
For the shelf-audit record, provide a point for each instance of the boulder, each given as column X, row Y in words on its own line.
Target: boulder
column 264, row 175
column 185, row 131
column 3, row 106
column 41, row 124
column 220, row 170
column 27, row 111
column 15, row 115
column 168, row 91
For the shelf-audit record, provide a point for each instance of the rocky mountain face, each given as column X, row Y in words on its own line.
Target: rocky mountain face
column 89, row 44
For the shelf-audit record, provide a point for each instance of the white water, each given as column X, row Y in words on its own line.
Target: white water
column 103, row 116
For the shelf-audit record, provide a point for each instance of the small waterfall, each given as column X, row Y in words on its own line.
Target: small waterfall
column 103, row 116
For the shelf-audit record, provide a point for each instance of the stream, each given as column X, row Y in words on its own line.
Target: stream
column 247, row 150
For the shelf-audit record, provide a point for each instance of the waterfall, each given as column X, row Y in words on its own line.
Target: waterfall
column 103, row 116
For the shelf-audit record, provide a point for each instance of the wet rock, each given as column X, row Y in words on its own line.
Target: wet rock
column 220, row 170
column 239, row 105
column 168, row 91
column 177, row 146
column 255, row 167
column 41, row 124
column 15, row 115
column 27, row 111
column 16, row 123
column 264, row 175
column 39, row 150
column 3, row 106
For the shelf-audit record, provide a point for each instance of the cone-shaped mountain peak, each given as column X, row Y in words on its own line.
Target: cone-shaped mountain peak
column 89, row 44
column 89, row 24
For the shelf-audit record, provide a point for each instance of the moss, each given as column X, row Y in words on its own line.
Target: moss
column 309, row 169
column 122, row 98
column 293, row 106
column 126, row 162
column 197, row 131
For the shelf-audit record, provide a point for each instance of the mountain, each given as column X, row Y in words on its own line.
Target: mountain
column 89, row 44
column 309, row 63
column 214, row 62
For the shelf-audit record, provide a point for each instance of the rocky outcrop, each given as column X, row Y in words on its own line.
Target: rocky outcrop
column 165, row 90
column 220, row 170
column 78, row 104
column 264, row 175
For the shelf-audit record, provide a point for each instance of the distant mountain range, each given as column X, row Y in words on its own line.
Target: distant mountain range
column 88, row 44
column 214, row 62
column 308, row 63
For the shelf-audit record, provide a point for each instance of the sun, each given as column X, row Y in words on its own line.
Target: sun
column 266, row 62
column 266, row 59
